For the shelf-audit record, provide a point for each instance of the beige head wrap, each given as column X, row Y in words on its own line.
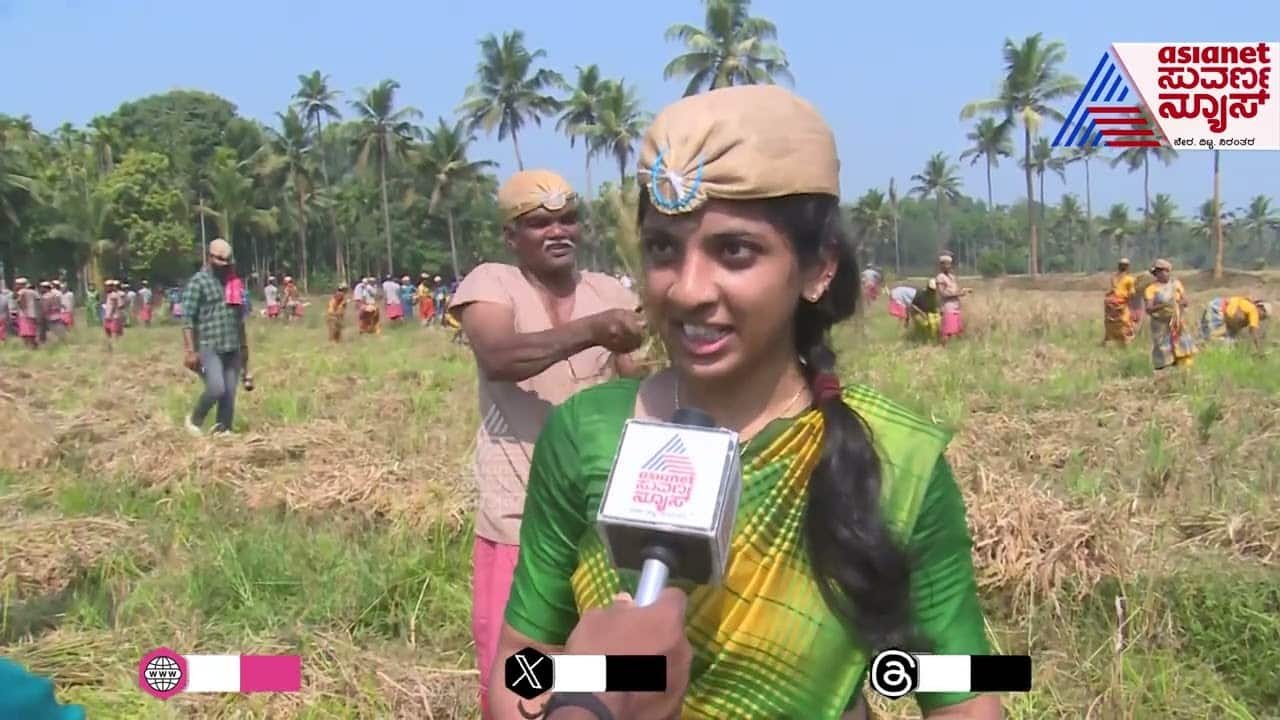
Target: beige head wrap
column 1161, row 264
column 1124, row 261
column 749, row 142
column 529, row 190
column 944, row 258
column 220, row 249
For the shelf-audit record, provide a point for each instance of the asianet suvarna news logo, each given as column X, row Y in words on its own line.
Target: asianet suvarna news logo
column 1187, row 96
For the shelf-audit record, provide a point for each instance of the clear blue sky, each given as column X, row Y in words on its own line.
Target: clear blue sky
column 889, row 76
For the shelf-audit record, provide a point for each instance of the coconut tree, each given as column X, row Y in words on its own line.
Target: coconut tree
column 1256, row 219
column 385, row 134
column 314, row 101
column 287, row 157
column 509, row 92
column 732, row 48
column 893, row 212
column 1139, row 158
column 231, row 196
column 990, row 142
column 1215, row 210
column 939, row 179
column 1043, row 161
column 1116, row 227
column 1067, row 219
column 581, row 113
column 1210, row 226
column 1164, row 215
column 1085, row 155
column 1032, row 82
column 872, row 218
column 443, row 158
column 620, row 124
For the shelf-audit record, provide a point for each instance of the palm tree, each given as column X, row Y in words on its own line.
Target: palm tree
column 1216, row 210
column 1116, row 227
column 871, row 215
column 938, row 178
column 444, row 158
column 1031, row 82
column 893, row 211
column 582, row 113
column 1164, row 215
column 1043, row 161
column 620, row 124
column 1210, row 226
column 85, row 214
column 232, row 195
column 1140, row 158
column 1086, row 154
column 288, row 154
column 315, row 102
column 385, row 132
column 732, row 48
column 1069, row 217
column 508, row 91
column 990, row 143
column 105, row 140
column 1256, row 219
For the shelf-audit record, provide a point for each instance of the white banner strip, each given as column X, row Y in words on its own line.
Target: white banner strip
column 579, row 673
column 213, row 673
column 943, row 673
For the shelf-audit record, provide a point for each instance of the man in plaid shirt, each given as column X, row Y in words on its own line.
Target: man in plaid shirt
column 214, row 339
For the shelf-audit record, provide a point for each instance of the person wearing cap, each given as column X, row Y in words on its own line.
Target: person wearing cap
column 1225, row 317
column 426, row 305
column 50, row 311
column 272, row 294
column 367, row 312
column 440, row 297
column 871, row 281
column 131, row 304
column 1117, row 320
column 336, row 312
column 113, row 310
column 391, row 299
column 405, row 294
column 949, row 292
column 540, row 330
column 1173, row 343
column 213, row 340
column 844, row 545
column 926, row 320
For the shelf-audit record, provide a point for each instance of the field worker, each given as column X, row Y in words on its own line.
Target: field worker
column 27, row 299
column 1117, row 320
column 926, row 321
column 272, row 294
column 292, row 300
column 1172, row 342
column 1226, row 317
column 391, row 298
column 336, row 313
column 50, row 311
column 367, row 309
column 145, row 298
column 440, row 297
column 6, row 312
column 899, row 300
column 68, row 300
column 131, row 304
column 540, row 330
column 949, row 293
column 426, row 305
column 851, row 533
column 113, row 312
column 871, row 280
column 175, row 303
column 213, row 340
column 406, row 297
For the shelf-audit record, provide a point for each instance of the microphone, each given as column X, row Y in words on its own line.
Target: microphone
column 671, row 499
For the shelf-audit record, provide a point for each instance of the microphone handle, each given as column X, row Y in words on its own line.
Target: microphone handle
column 653, row 577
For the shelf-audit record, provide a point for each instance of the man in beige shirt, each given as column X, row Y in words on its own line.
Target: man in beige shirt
column 541, row 330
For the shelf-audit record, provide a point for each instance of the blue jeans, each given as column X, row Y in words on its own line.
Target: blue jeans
column 221, row 378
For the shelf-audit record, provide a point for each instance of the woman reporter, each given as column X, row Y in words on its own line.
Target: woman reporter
column 851, row 533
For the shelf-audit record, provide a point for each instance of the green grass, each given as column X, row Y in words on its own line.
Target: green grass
column 373, row 588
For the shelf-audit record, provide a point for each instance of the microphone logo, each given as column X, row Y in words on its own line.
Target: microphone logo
column 666, row 478
column 528, row 673
column 894, row 673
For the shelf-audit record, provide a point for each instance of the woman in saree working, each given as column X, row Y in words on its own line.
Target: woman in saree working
column 851, row 533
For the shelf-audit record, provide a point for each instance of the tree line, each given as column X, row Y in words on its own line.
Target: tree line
column 344, row 185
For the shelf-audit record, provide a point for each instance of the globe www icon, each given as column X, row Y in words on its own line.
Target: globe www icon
column 162, row 673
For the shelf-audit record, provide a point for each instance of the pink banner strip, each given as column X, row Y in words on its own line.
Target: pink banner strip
column 270, row 673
